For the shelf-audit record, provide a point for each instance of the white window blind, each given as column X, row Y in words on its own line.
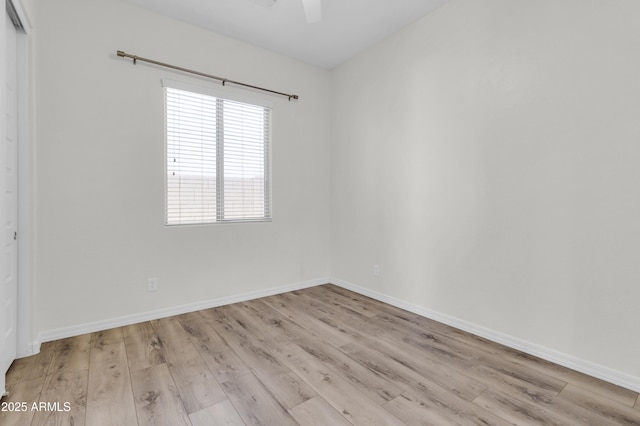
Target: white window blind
column 217, row 159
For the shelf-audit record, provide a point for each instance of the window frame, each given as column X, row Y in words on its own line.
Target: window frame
column 221, row 93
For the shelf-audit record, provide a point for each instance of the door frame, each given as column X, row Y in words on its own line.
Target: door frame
column 26, row 344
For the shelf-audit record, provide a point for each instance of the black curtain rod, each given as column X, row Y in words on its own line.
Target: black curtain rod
column 223, row 80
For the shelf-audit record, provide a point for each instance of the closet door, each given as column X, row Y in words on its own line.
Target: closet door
column 8, row 199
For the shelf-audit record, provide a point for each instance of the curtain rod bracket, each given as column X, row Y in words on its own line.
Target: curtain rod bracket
column 224, row 81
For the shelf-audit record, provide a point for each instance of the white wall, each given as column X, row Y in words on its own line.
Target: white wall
column 100, row 178
column 488, row 159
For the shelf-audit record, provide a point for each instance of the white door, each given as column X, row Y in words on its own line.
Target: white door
column 8, row 203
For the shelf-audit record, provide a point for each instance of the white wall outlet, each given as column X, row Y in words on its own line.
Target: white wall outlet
column 152, row 284
column 376, row 270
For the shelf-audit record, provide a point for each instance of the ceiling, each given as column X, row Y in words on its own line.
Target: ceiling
column 347, row 27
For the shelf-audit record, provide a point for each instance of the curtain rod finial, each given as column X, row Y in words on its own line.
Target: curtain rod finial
column 120, row 53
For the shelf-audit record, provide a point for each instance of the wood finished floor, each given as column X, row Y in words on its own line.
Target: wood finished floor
column 319, row 356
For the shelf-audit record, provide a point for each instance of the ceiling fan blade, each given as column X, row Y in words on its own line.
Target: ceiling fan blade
column 313, row 10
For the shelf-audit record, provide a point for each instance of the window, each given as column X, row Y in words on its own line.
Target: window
column 217, row 159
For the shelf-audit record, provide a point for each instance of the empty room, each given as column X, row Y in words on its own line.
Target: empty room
column 320, row 212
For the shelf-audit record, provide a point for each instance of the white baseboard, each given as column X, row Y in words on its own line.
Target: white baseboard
column 76, row 330
column 586, row 367
column 30, row 349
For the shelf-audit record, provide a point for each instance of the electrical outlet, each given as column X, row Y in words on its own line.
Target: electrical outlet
column 152, row 284
column 376, row 270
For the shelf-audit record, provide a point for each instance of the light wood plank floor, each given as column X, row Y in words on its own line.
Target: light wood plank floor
column 320, row 356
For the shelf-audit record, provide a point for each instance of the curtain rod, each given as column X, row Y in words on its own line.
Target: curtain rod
column 223, row 80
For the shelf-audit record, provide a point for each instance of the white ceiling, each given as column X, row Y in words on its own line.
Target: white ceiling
column 347, row 27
